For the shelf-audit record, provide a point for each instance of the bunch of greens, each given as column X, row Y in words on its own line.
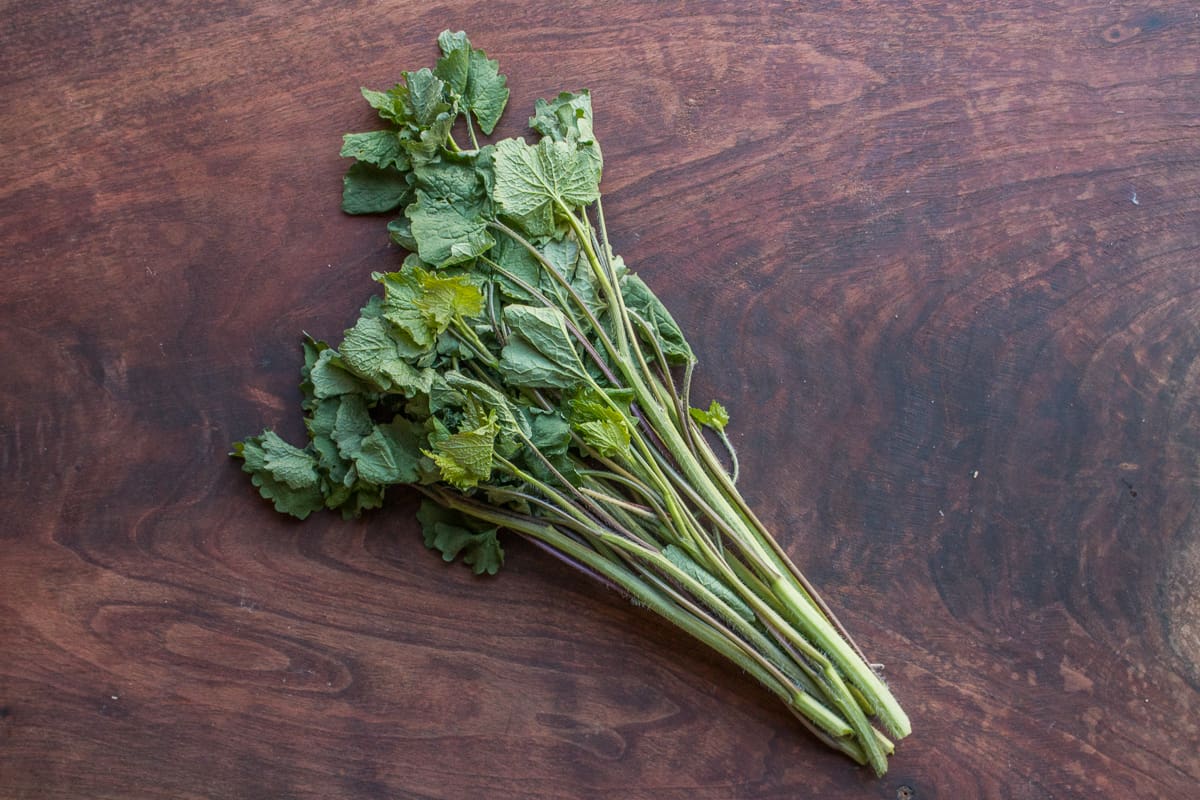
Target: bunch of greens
column 517, row 374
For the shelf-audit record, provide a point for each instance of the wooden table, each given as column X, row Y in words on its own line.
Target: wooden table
column 942, row 261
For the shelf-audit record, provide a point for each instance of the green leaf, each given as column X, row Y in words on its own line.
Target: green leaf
column 284, row 474
column 641, row 301
column 425, row 100
column 312, row 350
column 351, row 424
column 455, row 63
column 549, row 432
column 367, row 189
column 381, row 148
column 519, row 262
column 401, row 292
column 716, row 417
column 448, row 232
column 453, row 178
column 490, row 402
column 389, row 104
column 390, row 453
column 400, row 232
column 465, row 458
column 430, row 144
column 354, row 499
column 539, row 353
column 330, row 378
column 473, row 77
column 321, row 424
column 486, row 93
column 568, row 118
column 452, row 534
column 370, row 351
column 531, row 180
column 421, row 305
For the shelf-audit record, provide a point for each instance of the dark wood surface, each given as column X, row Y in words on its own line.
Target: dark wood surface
column 942, row 261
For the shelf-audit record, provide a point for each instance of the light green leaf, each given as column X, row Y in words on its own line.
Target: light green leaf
column 716, row 417
column 402, row 310
column 389, row 104
column 465, row 458
column 600, row 425
column 444, row 298
column 489, row 401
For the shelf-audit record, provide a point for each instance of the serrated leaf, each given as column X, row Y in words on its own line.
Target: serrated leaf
column 351, row 424
column 472, row 76
column 465, row 458
column 330, row 378
column 490, row 402
column 568, row 118
column 455, row 62
column 401, row 291
column 448, row 232
column 486, row 93
column 371, row 352
column 601, row 422
column 716, row 417
column 381, row 148
column 425, row 97
column 531, row 179
column 430, row 143
column 389, row 104
column 367, row 189
column 454, row 535
column 390, row 453
column 284, row 474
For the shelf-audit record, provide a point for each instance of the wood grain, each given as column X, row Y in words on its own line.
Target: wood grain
column 940, row 260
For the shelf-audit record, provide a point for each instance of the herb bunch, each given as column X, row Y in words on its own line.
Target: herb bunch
column 523, row 379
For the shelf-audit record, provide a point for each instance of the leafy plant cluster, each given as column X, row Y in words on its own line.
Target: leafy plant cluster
column 522, row 378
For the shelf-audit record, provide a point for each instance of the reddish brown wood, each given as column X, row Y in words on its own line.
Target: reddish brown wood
column 940, row 260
